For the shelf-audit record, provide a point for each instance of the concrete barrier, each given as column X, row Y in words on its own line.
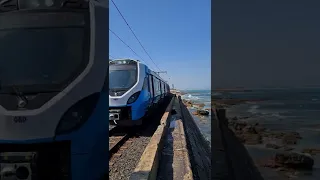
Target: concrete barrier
column 147, row 167
column 199, row 149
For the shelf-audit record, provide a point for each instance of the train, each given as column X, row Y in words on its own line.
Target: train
column 135, row 91
column 53, row 89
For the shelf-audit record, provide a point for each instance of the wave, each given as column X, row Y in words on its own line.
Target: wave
column 253, row 109
column 189, row 97
column 216, row 94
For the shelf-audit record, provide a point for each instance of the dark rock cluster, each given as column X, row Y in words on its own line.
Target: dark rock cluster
column 284, row 159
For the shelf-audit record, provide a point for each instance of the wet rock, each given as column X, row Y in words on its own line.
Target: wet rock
column 287, row 148
column 260, row 129
column 234, row 118
column 198, row 105
column 273, row 146
column 203, row 112
column 295, row 134
column 187, row 103
column 270, row 163
column 249, row 129
column 289, row 139
column 238, row 125
column 294, row 160
column 252, row 139
column 312, row 151
column 195, row 113
column 281, row 169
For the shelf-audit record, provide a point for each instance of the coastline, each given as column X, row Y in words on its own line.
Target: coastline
column 200, row 110
column 267, row 146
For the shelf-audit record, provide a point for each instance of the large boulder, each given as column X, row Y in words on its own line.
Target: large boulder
column 289, row 139
column 203, row 112
column 252, row 139
column 294, row 160
column 272, row 146
column 312, row 151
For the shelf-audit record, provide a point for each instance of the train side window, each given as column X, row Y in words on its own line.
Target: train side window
column 158, row 87
column 151, row 85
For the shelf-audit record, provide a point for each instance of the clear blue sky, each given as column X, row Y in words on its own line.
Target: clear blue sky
column 176, row 34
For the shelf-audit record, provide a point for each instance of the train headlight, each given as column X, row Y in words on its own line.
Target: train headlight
column 77, row 115
column 133, row 97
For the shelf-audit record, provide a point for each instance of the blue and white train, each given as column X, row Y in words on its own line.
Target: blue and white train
column 53, row 89
column 134, row 91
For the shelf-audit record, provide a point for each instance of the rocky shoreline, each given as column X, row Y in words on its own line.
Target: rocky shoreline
column 286, row 159
column 200, row 110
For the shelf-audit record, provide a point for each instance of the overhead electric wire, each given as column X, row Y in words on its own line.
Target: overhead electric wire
column 134, row 33
column 127, row 45
column 111, row 56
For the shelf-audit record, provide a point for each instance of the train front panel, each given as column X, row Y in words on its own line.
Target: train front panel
column 129, row 98
column 53, row 93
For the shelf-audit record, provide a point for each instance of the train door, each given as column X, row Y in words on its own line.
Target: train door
column 146, row 87
column 151, row 87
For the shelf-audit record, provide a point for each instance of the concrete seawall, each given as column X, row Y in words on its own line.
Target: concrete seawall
column 234, row 159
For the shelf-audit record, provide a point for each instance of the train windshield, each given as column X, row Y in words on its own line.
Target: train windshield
column 122, row 77
column 39, row 59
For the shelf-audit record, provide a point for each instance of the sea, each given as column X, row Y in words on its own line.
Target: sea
column 200, row 96
column 282, row 110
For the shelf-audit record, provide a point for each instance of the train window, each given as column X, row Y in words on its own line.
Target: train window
column 157, row 85
column 40, row 64
column 151, row 85
column 122, row 77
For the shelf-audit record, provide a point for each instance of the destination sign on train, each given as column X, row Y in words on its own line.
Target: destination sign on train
column 6, row 5
column 122, row 62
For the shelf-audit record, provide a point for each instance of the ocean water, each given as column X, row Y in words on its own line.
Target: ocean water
column 201, row 96
column 283, row 110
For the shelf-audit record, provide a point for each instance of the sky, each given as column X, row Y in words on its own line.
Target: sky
column 176, row 34
column 265, row 43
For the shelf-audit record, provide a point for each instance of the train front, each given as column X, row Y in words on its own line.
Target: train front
column 53, row 96
column 127, row 97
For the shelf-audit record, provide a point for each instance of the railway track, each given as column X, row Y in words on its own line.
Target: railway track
column 126, row 148
column 115, row 142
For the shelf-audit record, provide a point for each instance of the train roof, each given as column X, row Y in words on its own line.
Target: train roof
column 139, row 62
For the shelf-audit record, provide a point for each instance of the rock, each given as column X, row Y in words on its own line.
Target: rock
column 270, row 163
column 199, row 105
column 260, row 129
column 295, row 134
column 281, row 169
column 289, row 139
column 287, row 148
column 249, row 129
column 252, row 139
column 238, row 125
column 273, row 146
column 203, row 112
column 312, row 151
column 234, row 118
column 294, row 160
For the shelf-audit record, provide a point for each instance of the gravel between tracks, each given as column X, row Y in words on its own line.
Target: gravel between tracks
column 125, row 165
